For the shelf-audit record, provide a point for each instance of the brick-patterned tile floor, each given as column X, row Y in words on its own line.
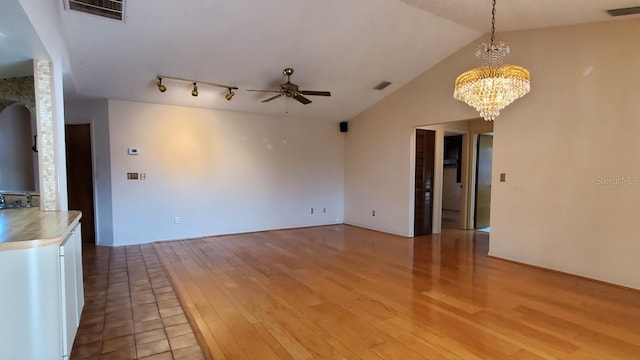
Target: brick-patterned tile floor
column 131, row 311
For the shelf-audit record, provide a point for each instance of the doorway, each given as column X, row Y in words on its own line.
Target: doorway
column 452, row 181
column 80, row 177
column 424, row 174
column 484, row 164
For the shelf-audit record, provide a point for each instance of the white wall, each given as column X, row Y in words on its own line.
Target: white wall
column 579, row 124
column 220, row 172
column 45, row 19
column 96, row 113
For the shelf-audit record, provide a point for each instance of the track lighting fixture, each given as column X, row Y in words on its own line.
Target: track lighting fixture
column 161, row 87
column 194, row 92
column 229, row 95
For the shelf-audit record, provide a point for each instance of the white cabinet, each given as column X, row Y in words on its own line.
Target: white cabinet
column 41, row 299
column 29, row 304
column 72, row 292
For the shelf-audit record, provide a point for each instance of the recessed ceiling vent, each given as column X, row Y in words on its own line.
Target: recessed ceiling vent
column 382, row 85
column 112, row 9
column 624, row 11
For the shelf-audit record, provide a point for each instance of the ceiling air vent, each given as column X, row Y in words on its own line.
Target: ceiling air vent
column 624, row 11
column 382, row 85
column 112, row 9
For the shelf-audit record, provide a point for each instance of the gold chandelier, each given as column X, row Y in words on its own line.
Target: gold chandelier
column 493, row 86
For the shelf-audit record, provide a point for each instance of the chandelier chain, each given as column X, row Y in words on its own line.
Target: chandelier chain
column 493, row 23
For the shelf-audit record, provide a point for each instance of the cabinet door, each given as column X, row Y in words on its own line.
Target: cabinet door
column 69, row 299
column 79, row 278
column 30, row 310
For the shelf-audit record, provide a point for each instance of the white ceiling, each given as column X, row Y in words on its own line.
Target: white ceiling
column 19, row 42
column 346, row 47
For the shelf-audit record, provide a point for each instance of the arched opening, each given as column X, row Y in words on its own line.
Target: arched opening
column 18, row 160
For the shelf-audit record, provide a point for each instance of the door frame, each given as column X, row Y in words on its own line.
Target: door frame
column 474, row 173
column 429, row 139
column 441, row 130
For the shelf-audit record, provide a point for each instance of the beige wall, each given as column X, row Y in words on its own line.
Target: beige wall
column 575, row 130
column 220, row 172
column 579, row 127
column 16, row 156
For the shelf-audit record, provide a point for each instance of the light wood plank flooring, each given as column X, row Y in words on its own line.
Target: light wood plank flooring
column 341, row 292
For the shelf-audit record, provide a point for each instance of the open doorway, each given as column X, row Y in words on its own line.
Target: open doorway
column 452, row 181
column 446, row 197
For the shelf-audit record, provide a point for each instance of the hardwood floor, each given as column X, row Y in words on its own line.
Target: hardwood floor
column 341, row 292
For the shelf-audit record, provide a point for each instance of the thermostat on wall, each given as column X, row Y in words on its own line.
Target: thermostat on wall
column 133, row 151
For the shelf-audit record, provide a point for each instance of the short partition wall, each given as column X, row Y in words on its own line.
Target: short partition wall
column 46, row 128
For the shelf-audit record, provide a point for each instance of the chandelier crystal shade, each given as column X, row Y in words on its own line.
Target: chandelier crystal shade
column 493, row 86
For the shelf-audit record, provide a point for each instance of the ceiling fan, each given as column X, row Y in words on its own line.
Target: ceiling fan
column 291, row 90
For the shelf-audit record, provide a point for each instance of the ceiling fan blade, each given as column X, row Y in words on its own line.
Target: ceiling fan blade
column 272, row 98
column 277, row 91
column 315, row 93
column 302, row 99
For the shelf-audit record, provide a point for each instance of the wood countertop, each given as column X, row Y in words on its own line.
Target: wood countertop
column 29, row 227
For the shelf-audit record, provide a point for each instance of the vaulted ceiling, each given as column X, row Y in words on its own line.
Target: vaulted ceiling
column 346, row 47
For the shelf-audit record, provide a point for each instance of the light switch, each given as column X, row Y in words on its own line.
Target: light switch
column 503, row 177
column 132, row 176
column 133, row 151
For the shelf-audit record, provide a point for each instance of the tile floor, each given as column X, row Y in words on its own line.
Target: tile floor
column 131, row 311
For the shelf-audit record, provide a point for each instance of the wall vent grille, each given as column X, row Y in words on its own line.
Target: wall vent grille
column 624, row 11
column 112, row 9
column 382, row 85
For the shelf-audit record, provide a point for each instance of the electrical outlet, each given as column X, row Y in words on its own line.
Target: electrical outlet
column 373, row 213
column 132, row 176
column 311, row 210
column 176, row 220
column 503, row 177
column 143, row 176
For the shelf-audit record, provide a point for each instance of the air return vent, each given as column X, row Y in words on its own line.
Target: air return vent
column 624, row 11
column 112, row 9
column 382, row 85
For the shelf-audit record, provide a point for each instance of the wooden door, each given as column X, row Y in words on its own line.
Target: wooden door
column 483, row 181
column 425, row 159
column 80, row 177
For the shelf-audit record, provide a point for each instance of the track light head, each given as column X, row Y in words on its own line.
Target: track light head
column 194, row 92
column 229, row 95
column 161, row 87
